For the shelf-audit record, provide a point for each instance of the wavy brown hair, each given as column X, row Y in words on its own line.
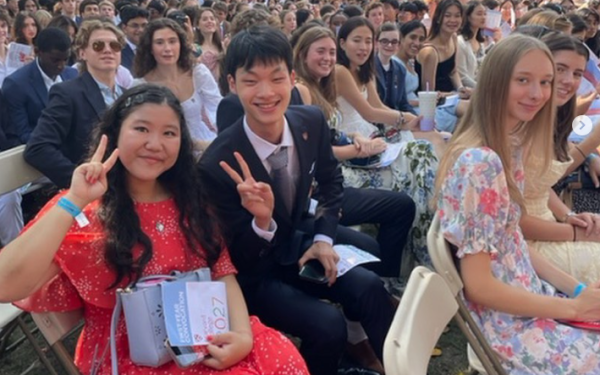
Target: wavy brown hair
column 323, row 91
column 144, row 60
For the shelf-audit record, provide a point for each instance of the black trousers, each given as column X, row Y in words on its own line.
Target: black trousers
column 393, row 212
column 285, row 302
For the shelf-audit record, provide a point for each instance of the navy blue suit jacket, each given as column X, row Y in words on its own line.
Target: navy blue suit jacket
column 127, row 56
column 60, row 140
column 396, row 98
column 252, row 255
column 26, row 96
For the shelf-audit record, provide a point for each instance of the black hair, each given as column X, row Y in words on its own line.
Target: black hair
column 438, row 16
column 302, row 15
column 52, row 38
column 327, row 8
column 553, row 7
column 121, row 4
column 421, row 6
column 353, row 11
column 578, row 23
column 491, row 4
column 410, row 26
column 567, row 112
column 466, row 30
column 409, row 7
column 130, row 12
column 157, row 5
column 85, row 3
column 366, row 71
column 63, row 23
column 258, row 44
column 393, row 3
column 19, row 25
column 117, row 212
column 22, row 3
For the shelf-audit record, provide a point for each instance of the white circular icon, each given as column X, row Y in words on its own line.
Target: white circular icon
column 582, row 125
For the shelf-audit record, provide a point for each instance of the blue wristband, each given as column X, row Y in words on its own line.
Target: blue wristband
column 69, row 206
column 74, row 211
column 578, row 289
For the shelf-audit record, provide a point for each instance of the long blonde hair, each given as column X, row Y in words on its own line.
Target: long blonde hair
column 484, row 124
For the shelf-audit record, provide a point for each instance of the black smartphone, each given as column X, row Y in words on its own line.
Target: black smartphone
column 313, row 271
column 186, row 356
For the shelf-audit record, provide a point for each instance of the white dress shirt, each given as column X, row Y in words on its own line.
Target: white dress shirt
column 49, row 82
column 264, row 149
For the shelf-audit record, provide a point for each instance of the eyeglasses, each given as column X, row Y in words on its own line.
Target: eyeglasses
column 100, row 45
column 387, row 42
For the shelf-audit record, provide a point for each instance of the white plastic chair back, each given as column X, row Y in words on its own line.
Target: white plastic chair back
column 443, row 262
column 425, row 309
column 14, row 170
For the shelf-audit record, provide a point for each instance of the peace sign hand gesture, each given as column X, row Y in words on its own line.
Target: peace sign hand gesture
column 89, row 179
column 257, row 197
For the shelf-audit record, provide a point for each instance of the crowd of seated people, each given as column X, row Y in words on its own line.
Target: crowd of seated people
column 258, row 134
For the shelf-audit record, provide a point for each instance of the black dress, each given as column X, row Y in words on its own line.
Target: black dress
column 443, row 81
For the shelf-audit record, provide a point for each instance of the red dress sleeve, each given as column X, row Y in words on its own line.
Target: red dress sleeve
column 223, row 266
column 80, row 258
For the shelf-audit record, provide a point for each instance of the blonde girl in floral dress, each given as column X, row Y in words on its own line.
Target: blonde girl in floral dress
column 510, row 289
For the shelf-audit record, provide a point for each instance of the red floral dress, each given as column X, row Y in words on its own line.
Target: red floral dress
column 85, row 278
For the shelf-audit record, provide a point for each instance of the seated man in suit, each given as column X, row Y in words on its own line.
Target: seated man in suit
column 259, row 173
column 133, row 22
column 60, row 140
column 28, row 86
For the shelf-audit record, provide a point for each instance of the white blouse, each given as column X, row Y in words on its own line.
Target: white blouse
column 200, row 109
column 467, row 62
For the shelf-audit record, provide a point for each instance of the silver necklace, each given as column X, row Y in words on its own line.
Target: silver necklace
column 160, row 227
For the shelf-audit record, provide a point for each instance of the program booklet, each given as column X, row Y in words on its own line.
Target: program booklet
column 194, row 310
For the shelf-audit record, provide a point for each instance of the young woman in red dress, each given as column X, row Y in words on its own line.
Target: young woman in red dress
column 147, row 215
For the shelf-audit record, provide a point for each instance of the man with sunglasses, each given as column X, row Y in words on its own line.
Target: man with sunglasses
column 133, row 22
column 59, row 142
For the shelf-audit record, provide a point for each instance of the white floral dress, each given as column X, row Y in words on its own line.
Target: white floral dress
column 476, row 214
column 413, row 172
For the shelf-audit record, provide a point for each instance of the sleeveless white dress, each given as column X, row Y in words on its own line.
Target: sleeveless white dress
column 413, row 172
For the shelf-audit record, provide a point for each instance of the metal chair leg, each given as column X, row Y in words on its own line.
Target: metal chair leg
column 36, row 347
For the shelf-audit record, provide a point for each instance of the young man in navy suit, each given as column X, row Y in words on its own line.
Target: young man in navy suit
column 265, row 205
column 60, row 139
column 133, row 22
column 26, row 90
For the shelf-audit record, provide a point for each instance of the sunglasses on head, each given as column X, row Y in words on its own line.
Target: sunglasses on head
column 99, row 46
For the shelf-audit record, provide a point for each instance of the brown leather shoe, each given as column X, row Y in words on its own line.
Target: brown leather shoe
column 363, row 354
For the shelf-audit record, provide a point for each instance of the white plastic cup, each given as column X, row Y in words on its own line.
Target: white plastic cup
column 427, row 105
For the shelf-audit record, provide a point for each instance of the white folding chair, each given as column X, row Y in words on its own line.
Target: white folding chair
column 443, row 262
column 15, row 172
column 426, row 307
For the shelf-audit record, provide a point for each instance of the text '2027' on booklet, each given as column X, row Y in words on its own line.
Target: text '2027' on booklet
column 194, row 310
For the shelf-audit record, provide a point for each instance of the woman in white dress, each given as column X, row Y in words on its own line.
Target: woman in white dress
column 471, row 44
column 570, row 240
column 361, row 108
column 164, row 58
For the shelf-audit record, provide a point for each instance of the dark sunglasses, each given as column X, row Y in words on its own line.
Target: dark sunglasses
column 99, row 46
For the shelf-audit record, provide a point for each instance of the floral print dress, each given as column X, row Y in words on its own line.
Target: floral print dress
column 413, row 172
column 476, row 214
